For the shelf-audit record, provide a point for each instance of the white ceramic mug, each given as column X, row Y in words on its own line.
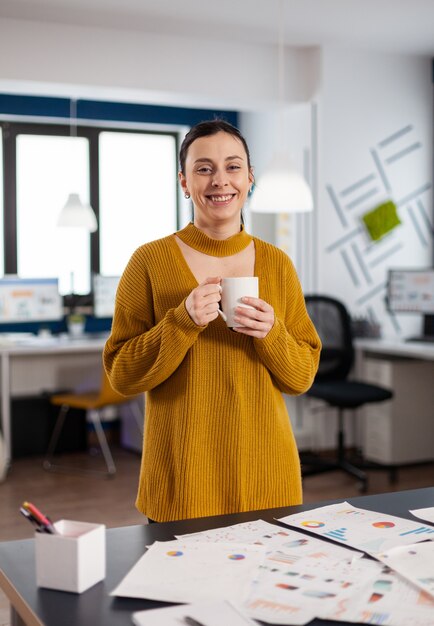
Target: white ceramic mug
column 233, row 289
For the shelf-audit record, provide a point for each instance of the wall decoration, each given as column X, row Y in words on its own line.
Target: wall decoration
column 367, row 212
column 381, row 220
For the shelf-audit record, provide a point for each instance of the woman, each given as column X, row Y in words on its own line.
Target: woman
column 217, row 435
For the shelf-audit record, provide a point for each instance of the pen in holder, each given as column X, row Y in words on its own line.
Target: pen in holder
column 72, row 559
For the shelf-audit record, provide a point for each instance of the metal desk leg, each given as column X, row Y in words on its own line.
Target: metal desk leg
column 6, row 407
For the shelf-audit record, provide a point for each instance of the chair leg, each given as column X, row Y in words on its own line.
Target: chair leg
column 95, row 417
column 384, row 467
column 138, row 414
column 96, row 420
column 47, row 464
column 341, row 436
column 341, row 462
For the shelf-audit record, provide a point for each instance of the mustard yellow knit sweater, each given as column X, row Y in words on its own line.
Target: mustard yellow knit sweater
column 217, row 434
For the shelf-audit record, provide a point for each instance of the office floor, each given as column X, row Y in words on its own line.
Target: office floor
column 111, row 501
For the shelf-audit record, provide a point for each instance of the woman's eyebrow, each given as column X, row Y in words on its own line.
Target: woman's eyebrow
column 203, row 160
column 208, row 160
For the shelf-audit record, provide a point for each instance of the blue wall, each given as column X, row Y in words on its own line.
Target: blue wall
column 11, row 104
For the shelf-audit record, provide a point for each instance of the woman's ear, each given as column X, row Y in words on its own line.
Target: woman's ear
column 251, row 180
column 182, row 181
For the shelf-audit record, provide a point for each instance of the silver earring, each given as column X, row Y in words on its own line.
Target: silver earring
column 187, row 195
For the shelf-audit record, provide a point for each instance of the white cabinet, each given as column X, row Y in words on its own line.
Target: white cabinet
column 400, row 430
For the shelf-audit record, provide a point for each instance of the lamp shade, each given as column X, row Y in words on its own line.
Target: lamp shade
column 75, row 214
column 281, row 189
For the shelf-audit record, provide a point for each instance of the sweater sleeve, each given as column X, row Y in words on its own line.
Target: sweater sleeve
column 291, row 350
column 140, row 354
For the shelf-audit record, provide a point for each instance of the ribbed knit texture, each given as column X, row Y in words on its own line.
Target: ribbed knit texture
column 198, row 240
column 217, row 435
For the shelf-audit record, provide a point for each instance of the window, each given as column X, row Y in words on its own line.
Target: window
column 129, row 178
column 138, row 191
column 48, row 169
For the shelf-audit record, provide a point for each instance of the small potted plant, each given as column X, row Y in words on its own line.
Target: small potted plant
column 75, row 323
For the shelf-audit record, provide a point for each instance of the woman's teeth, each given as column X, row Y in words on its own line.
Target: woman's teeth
column 221, row 198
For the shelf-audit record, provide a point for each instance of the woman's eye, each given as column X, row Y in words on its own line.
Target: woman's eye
column 204, row 170
column 234, row 167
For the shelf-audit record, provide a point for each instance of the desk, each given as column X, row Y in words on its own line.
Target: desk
column 43, row 607
column 394, row 348
column 44, row 364
column 402, row 430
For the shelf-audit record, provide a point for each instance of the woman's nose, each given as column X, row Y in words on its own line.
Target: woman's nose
column 219, row 179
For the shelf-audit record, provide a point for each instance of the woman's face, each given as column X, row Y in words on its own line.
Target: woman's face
column 217, row 177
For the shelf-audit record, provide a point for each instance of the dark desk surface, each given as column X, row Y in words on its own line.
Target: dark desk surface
column 42, row 607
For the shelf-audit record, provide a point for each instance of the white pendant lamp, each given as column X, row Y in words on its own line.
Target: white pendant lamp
column 281, row 188
column 75, row 214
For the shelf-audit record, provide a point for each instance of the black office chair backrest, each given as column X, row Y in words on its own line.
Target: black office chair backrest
column 333, row 324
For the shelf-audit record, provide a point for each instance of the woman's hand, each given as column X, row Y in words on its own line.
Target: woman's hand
column 256, row 322
column 203, row 302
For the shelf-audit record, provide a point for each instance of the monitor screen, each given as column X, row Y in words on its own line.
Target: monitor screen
column 104, row 294
column 30, row 300
column 411, row 291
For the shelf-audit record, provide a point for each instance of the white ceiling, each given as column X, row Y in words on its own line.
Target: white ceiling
column 395, row 25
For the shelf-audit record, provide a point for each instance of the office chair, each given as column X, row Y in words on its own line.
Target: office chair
column 93, row 402
column 331, row 385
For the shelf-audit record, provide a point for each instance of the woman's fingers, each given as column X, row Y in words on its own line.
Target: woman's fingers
column 202, row 302
column 202, row 305
column 256, row 320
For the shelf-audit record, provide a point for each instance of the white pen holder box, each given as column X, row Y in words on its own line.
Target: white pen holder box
column 72, row 560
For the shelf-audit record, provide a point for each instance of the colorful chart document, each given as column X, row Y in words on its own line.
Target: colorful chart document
column 285, row 593
column 282, row 576
column 414, row 562
column 364, row 530
column 386, row 599
column 301, row 575
column 177, row 571
column 295, row 545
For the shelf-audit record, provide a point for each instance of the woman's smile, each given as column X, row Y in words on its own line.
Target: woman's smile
column 221, row 199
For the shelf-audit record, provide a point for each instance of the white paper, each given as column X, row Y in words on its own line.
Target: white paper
column 296, row 578
column 425, row 514
column 213, row 614
column 299, row 575
column 387, row 599
column 275, row 538
column 176, row 571
column 414, row 562
column 245, row 532
column 364, row 530
column 295, row 594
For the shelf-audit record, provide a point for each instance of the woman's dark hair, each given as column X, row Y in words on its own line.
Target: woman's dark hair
column 206, row 129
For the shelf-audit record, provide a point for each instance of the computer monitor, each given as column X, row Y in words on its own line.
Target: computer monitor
column 30, row 300
column 104, row 294
column 411, row 291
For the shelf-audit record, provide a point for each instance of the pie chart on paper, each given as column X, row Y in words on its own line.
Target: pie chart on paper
column 312, row 524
